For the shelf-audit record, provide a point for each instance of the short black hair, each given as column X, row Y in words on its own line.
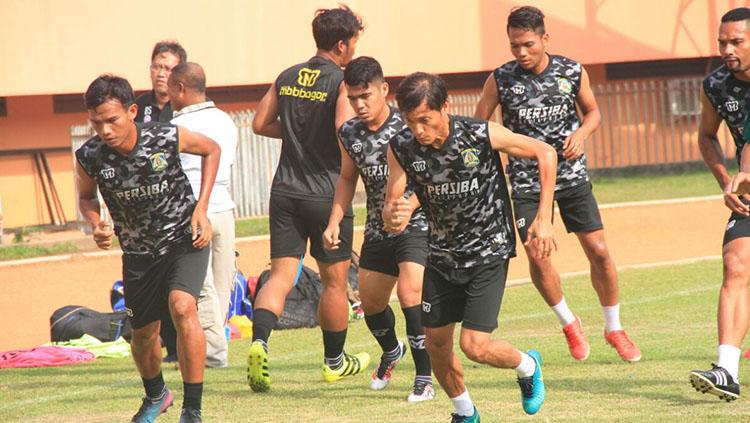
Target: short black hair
column 108, row 87
column 169, row 46
column 191, row 74
column 363, row 71
column 333, row 25
column 526, row 17
column 736, row 15
column 421, row 87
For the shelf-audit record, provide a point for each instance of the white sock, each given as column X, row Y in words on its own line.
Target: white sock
column 527, row 366
column 612, row 318
column 563, row 313
column 729, row 358
column 463, row 405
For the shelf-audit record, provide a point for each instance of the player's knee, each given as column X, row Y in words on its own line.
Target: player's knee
column 599, row 255
column 474, row 349
column 144, row 337
column 183, row 308
column 735, row 270
column 437, row 347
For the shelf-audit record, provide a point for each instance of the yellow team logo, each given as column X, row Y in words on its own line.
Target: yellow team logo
column 564, row 85
column 158, row 161
column 307, row 77
column 471, row 157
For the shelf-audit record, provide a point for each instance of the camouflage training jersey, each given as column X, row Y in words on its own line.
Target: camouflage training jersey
column 731, row 100
column 462, row 190
column 368, row 150
column 147, row 193
column 543, row 107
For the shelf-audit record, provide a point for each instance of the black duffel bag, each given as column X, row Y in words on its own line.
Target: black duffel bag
column 71, row 322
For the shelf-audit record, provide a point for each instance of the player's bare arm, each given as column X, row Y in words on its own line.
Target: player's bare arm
column 200, row 145
column 266, row 120
column 397, row 209
column 488, row 101
column 710, row 149
column 342, row 199
column 590, row 119
column 540, row 232
column 88, row 203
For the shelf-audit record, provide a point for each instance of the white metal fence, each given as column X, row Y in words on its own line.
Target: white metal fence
column 643, row 123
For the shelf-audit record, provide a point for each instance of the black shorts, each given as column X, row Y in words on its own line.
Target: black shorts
column 148, row 280
column 577, row 205
column 384, row 256
column 470, row 295
column 293, row 221
column 738, row 226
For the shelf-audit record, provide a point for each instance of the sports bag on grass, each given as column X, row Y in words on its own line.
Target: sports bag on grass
column 72, row 322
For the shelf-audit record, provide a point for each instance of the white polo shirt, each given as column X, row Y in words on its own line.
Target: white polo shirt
column 212, row 122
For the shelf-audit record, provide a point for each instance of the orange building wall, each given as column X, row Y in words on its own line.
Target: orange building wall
column 64, row 47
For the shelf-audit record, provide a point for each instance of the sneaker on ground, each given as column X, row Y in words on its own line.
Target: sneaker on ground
column 382, row 375
column 423, row 391
column 716, row 381
column 474, row 418
column 627, row 350
column 351, row 365
column 577, row 344
column 191, row 415
column 151, row 408
column 532, row 387
column 258, row 376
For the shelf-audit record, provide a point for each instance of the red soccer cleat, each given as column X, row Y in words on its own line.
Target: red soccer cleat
column 577, row 344
column 619, row 340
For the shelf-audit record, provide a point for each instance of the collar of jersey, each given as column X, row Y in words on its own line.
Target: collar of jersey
column 195, row 107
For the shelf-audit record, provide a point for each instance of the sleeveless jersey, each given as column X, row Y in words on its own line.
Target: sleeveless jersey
column 462, row 190
column 310, row 160
column 542, row 107
column 147, row 193
column 368, row 149
column 731, row 100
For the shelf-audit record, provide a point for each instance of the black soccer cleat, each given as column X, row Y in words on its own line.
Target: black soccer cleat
column 716, row 381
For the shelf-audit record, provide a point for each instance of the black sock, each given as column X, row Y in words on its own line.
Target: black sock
column 193, row 394
column 381, row 326
column 154, row 387
column 263, row 323
column 333, row 344
column 415, row 333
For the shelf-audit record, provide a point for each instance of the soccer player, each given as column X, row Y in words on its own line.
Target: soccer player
column 538, row 94
column 304, row 107
column 726, row 97
column 187, row 93
column 385, row 257
column 154, row 106
column 453, row 165
column 162, row 230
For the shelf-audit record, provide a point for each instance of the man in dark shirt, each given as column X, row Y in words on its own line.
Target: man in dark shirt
column 453, row 165
column 539, row 96
column 726, row 97
column 154, row 105
column 162, row 229
column 304, row 107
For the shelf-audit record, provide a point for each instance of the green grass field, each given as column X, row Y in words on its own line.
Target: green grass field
column 670, row 312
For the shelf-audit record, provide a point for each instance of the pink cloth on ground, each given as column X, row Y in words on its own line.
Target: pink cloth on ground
column 44, row 357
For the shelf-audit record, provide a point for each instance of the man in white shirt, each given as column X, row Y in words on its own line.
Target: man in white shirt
column 187, row 93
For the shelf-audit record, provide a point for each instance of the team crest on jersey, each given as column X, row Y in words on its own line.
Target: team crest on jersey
column 307, row 77
column 518, row 89
column 732, row 105
column 107, row 173
column 564, row 85
column 357, row 147
column 471, row 157
column 419, row 166
column 158, row 161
